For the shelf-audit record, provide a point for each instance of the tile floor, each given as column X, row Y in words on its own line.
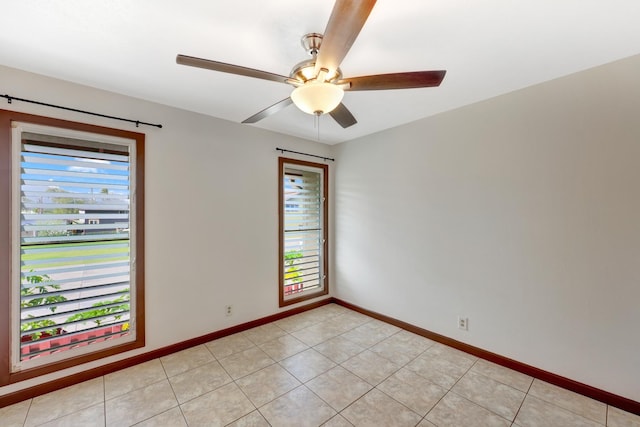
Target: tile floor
column 329, row 366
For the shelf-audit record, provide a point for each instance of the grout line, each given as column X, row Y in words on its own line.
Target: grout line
column 522, row 403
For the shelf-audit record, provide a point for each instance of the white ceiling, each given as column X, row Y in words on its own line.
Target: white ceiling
column 488, row 47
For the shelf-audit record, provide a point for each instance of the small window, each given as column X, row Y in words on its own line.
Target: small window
column 303, row 230
column 75, row 285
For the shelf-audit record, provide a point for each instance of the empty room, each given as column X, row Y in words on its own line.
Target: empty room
column 338, row 213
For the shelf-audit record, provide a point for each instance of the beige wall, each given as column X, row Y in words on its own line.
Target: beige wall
column 211, row 209
column 521, row 213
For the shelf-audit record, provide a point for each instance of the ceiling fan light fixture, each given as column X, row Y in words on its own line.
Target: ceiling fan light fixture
column 317, row 97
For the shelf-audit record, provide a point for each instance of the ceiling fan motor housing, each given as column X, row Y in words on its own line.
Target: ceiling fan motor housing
column 305, row 70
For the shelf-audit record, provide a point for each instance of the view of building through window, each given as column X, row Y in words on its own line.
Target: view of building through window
column 74, row 276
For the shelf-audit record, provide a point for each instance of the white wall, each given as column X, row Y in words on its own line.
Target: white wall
column 211, row 209
column 521, row 212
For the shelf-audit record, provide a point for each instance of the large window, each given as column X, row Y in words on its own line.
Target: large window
column 303, row 230
column 76, row 265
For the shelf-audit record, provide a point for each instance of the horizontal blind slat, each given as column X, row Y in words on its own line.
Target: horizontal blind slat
column 74, row 238
column 73, row 216
column 68, row 152
column 43, row 181
column 72, row 162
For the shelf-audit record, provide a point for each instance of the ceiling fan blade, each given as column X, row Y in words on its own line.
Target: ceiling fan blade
column 229, row 68
column 343, row 116
column 269, row 111
column 346, row 21
column 414, row 79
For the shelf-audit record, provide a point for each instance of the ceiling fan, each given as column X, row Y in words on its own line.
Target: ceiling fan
column 319, row 84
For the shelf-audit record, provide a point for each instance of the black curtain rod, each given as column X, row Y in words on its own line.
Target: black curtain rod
column 283, row 150
column 137, row 122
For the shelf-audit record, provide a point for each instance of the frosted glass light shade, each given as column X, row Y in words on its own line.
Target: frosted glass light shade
column 317, row 97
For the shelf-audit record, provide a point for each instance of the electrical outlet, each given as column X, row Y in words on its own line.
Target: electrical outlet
column 463, row 323
column 228, row 310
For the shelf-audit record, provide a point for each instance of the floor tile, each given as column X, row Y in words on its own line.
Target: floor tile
column 15, row 415
column 138, row 405
column 267, row 384
column 254, row 419
column 371, row 367
column 367, row 335
column 246, row 362
column 574, row 402
column 335, row 309
column 92, row 416
column 327, row 312
column 506, row 376
column 439, row 365
column 298, row 401
column 424, row 366
column 456, row 411
column 451, row 355
column 401, row 348
column 353, row 319
column 199, row 381
column 337, row 421
column 490, row 394
column 340, row 324
column 346, row 322
column 264, row 333
column 229, row 345
column 383, row 327
column 619, row 418
column 217, row 408
column 307, row 364
column 377, row 409
column 415, row 340
column 283, row 347
column 185, row 360
column 75, row 398
column 317, row 333
column 171, row 418
column 412, row 390
column 426, row 423
column 339, row 349
column 538, row 413
column 297, row 322
column 135, row 377
column 338, row 387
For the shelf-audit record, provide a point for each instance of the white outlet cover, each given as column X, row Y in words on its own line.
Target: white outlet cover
column 463, row 323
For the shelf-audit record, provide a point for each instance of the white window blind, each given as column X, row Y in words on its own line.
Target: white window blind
column 303, row 230
column 75, row 273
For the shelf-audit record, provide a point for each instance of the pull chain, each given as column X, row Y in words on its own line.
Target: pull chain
column 316, row 124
